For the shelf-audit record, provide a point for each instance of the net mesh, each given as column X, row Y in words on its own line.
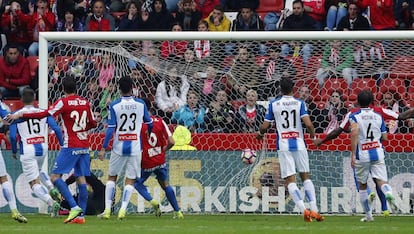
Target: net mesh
column 219, row 73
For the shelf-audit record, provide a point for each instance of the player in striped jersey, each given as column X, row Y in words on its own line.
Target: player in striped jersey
column 288, row 113
column 367, row 131
column 153, row 161
column 33, row 148
column 6, row 185
column 344, row 126
column 125, row 118
column 77, row 119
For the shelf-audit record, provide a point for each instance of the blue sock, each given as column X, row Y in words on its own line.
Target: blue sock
column 64, row 190
column 171, row 197
column 142, row 189
column 382, row 198
column 83, row 197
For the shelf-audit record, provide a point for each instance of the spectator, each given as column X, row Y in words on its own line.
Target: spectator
column 106, row 69
column 173, row 48
column 109, row 94
column 313, row 110
column 130, row 21
column 217, row 21
column 247, row 20
column 219, row 115
column 205, row 6
column 82, row 69
column 70, row 23
column 402, row 10
column 94, row 93
column 274, row 69
column 381, row 13
column 336, row 10
column 14, row 23
column 43, row 20
column 202, row 47
column 336, row 59
column 14, row 72
column 171, row 93
column 81, row 8
column 191, row 115
column 101, row 124
column 160, row 18
column 182, row 139
column 187, row 17
column 55, row 76
column 236, row 5
column 244, row 73
column 142, row 85
column 316, row 10
column 153, row 65
column 211, row 82
column 188, row 62
column 99, row 20
column 354, row 20
column 116, row 5
column 333, row 113
column 392, row 100
column 370, row 60
column 299, row 20
column 250, row 115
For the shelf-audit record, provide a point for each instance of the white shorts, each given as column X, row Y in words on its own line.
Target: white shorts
column 377, row 169
column 31, row 166
column 3, row 171
column 131, row 165
column 292, row 160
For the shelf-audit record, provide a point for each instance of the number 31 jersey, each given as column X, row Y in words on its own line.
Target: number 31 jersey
column 127, row 115
column 287, row 112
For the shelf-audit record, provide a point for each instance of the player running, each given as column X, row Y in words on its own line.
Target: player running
column 126, row 116
column 33, row 149
column 288, row 113
column 153, row 161
column 77, row 118
column 368, row 129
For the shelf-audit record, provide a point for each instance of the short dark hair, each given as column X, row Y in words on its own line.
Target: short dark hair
column 286, row 86
column 365, row 98
column 125, row 84
column 28, row 96
column 69, row 84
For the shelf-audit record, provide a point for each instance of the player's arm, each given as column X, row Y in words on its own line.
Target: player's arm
column 13, row 137
column 354, row 142
column 58, row 132
column 330, row 136
column 91, row 121
column 148, row 120
column 170, row 139
column 262, row 130
column 3, row 112
column 109, row 132
column 406, row 114
column 309, row 126
column 170, row 143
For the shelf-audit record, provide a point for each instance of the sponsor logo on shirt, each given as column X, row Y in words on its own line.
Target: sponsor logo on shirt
column 289, row 135
column 35, row 140
column 127, row 137
column 370, row 145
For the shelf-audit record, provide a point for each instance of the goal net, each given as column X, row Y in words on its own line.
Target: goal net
column 219, row 69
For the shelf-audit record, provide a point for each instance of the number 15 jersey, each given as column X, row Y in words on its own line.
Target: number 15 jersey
column 126, row 115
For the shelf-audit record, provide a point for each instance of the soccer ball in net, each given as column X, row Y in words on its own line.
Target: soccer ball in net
column 248, row 156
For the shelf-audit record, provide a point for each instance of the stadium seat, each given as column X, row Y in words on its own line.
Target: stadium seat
column 332, row 84
column 227, row 62
column 63, row 62
column 33, row 64
column 403, row 67
column 361, row 84
column 118, row 15
column 14, row 104
column 260, row 60
column 298, row 63
column 312, row 84
column 314, row 64
column 270, row 5
column 393, row 85
column 231, row 15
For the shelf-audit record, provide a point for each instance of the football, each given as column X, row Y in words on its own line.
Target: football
column 248, row 156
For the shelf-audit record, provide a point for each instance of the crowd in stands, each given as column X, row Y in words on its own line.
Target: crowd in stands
column 216, row 99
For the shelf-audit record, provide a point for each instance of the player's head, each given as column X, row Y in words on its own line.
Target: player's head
column 28, row 96
column 365, row 98
column 286, row 86
column 125, row 85
column 69, row 85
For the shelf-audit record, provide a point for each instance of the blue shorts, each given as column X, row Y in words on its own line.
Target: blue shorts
column 73, row 158
column 161, row 174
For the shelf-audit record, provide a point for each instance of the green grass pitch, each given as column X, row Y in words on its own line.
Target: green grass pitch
column 220, row 223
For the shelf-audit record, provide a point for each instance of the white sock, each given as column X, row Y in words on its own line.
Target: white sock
column 363, row 198
column 8, row 194
column 296, row 196
column 45, row 179
column 386, row 189
column 41, row 192
column 126, row 196
column 310, row 194
column 109, row 193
